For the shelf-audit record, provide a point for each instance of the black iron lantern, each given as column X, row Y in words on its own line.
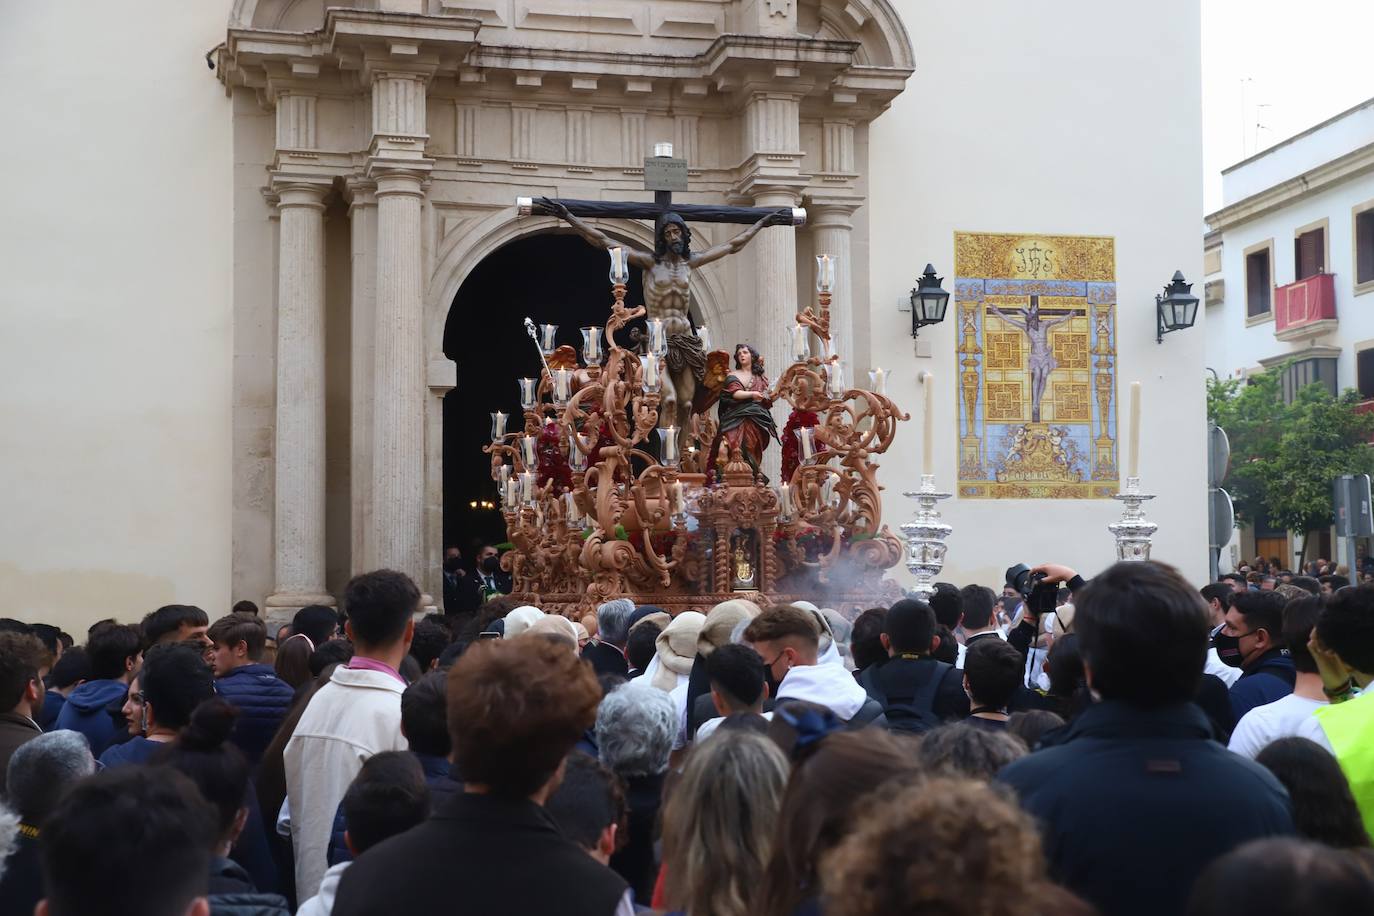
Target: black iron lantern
column 928, row 301
column 1176, row 309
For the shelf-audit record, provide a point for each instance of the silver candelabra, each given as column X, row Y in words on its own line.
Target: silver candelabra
column 1133, row 531
column 925, row 538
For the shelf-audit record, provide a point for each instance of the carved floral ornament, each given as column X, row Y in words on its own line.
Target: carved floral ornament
column 593, row 514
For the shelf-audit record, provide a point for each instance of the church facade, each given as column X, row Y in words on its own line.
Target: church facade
column 328, row 189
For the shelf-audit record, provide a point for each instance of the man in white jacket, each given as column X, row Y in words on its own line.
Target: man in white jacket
column 357, row 714
column 388, row 797
column 788, row 640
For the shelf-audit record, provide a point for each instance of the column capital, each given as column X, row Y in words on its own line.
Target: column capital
column 360, row 191
column 300, row 190
column 826, row 211
column 398, row 178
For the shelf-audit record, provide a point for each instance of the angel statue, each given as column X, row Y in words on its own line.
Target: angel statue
column 744, row 420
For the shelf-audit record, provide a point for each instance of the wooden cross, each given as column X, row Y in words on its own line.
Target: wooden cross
column 663, row 175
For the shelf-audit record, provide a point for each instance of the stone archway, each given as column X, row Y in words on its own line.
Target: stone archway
column 456, row 263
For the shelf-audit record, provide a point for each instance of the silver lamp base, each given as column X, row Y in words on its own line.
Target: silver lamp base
column 925, row 539
column 1133, row 532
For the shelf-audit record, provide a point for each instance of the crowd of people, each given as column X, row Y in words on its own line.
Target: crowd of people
column 1131, row 746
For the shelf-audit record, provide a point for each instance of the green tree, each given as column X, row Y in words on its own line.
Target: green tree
column 1284, row 457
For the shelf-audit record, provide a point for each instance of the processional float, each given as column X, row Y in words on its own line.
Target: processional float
column 601, row 502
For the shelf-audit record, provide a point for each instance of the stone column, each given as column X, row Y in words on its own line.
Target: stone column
column 831, row 224
column 398, row 167
column 398, row 444
column 362, row 215
column 299, row 455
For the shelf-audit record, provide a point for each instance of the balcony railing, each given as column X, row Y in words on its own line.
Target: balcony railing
column 1306, row 308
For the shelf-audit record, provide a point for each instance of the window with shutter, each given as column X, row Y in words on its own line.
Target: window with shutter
column 1364, row 372
column 1258, row 287
column 1364, row 246
column 1309, row 254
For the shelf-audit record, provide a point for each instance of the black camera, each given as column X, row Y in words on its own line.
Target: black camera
column 1040, row 597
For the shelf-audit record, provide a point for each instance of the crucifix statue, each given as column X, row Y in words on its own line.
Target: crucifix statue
column 1040, row 361
column 668, row 268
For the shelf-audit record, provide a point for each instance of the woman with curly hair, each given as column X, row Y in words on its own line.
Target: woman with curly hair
column 948, row 846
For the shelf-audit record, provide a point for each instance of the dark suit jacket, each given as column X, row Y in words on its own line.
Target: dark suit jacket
column 480, row 854
column 606, row 659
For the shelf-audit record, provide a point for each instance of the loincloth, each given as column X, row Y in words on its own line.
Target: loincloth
column 685, row 352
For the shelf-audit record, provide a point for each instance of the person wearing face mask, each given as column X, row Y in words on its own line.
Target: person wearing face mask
column 788, row 640
column 492, row 579
column 1252, row 639
column 462, row 592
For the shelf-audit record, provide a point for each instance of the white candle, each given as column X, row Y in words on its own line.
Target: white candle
column 619, row 271
column 574, row 513
column 675, row 499
column 668, row 445
column 576, row 459
column 785, row 500
column 591, row 345
column 1135, row 431
column 836, row 379
column 806, row 438
column 529, row 393
column 801, row 347
column 827, row 490
column 512, row 494
column 878, row 379
column 704, row 335
column 928, row 434
column 825, row 273
column 498, row 426
column 547, row 338
column 562, row 385
column 658, row 337
column 527, row 486
column 503, row 476
column 651, row 380
column 529, row 451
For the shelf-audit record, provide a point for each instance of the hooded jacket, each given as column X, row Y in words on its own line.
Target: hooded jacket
column 830, row 686
column 85, row 712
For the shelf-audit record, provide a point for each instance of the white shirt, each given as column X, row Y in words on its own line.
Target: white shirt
column 707, row 728
column 1263, row 724
column 1222, row 670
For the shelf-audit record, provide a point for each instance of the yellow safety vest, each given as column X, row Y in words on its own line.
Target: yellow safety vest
column 1349, row 726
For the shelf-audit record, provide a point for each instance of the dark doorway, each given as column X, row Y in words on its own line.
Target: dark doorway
column 555, row 278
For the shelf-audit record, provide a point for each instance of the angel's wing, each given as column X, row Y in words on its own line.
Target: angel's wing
column 708, row 391
column 565, row 357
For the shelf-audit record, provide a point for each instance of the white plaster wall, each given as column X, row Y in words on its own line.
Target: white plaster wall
column 1234, row 347
column 115, row 257
column 1019, row 121
column 1348, row 131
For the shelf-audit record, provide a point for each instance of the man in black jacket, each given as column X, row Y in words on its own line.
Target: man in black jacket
column 1136, row 799
column 916, row 691
column 515, row 709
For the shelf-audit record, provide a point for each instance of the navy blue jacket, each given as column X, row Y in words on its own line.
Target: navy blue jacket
column 136, row 750
column 262, row 700
column 1271, row 678
column 1134, row 803
column 85, row 711
column 443, row 784
column 52, row 708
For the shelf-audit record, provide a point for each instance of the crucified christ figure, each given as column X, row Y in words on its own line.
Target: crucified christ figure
column 1041, row 361
column 667, row 272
